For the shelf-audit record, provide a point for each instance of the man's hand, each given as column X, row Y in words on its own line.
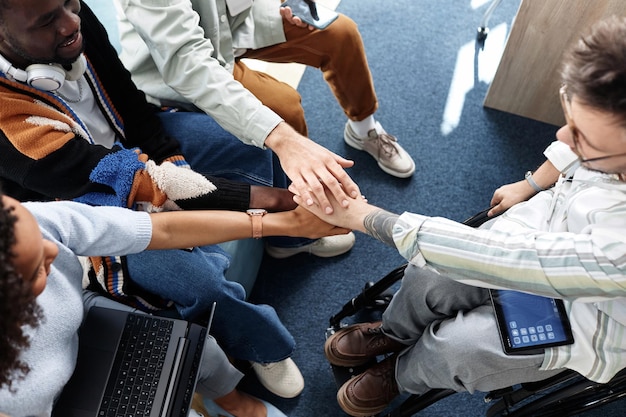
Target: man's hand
column 313, row 169
column 508, row 195
column 307, row 224
column 287, row 15
column 351, row 217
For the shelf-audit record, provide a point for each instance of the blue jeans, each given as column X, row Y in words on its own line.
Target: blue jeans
column 194, row 280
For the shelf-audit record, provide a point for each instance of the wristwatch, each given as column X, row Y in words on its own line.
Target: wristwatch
column 256, row 215
column 531, row 181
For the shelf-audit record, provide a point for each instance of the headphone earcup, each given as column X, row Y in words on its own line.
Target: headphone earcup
column 45, row 77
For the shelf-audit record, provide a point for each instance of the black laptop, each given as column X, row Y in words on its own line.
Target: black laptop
column 133, row 365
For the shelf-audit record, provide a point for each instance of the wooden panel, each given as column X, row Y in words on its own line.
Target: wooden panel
column 527, row 80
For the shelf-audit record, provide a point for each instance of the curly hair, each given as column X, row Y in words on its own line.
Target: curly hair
column 18, row 307
column 594, row 69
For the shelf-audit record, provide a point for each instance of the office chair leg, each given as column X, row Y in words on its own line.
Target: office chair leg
column 483, row 30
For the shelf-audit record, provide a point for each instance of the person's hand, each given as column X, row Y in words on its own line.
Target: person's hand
column 313, row 169
column 508, row 195
column 287, row 15
column 311, row 226
column 350, row 217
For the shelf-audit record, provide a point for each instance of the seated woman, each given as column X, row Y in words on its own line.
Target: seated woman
column 42, row 249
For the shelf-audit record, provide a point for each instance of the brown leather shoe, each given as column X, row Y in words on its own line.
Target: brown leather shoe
column 371, row 392
column 356, row 344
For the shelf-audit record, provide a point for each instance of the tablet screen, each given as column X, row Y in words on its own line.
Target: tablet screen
column 530, row 323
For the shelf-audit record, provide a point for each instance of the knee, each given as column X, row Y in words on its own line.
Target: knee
column 344, row 31
column 290, row 109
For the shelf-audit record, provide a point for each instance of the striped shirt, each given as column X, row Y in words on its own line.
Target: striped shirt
column 568, row 242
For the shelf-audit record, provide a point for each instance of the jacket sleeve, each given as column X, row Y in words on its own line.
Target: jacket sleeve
column 184, row 58
column 45, row 151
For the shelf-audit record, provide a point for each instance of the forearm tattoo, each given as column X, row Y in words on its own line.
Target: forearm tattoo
column 379, row 225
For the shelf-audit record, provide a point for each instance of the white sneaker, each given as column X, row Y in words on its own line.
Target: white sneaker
column 391, row 157
column 325, row 247
column 280, row 378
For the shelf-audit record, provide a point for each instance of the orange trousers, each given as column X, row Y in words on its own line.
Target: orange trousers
column 337, row 51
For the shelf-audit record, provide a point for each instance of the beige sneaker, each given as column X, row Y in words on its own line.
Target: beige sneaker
column 280, row 378
column 391, row 157
column 325, row 247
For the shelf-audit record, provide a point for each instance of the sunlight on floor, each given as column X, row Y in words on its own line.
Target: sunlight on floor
column 473, row 65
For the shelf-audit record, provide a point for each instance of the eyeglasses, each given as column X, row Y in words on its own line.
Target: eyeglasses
column 567, row 111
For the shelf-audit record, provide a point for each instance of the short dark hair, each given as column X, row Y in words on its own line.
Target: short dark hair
column 18, row 307
column 594, row 69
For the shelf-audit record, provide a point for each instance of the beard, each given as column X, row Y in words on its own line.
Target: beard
column 55, row 59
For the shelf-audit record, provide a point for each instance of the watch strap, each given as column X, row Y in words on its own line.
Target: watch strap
column 531, row 181
column 256, row 217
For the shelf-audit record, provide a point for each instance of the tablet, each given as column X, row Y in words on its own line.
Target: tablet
column 530, row 323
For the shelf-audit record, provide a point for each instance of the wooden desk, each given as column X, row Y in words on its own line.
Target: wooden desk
column 527, row 80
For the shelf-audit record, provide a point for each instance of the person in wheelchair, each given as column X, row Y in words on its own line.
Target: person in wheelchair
column 567, row 242
column 42, row 250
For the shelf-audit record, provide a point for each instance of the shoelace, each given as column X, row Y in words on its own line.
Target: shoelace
column 386, row 144
column 379, row 339
column 389, row 386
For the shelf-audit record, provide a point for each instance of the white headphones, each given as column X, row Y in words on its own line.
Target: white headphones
column 46, row 77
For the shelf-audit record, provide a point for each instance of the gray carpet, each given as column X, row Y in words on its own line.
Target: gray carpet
column 431, row 80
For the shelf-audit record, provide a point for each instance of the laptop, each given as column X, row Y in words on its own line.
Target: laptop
column 528, row 324
column 133, row 365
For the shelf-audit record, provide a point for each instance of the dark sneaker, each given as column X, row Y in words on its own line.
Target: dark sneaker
column 356, row 344
column 371, row 392
column 391, row 157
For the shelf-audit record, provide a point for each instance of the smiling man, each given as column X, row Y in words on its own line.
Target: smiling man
column 73, row 126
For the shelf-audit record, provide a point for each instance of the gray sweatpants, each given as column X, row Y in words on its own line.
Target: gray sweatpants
column 452, row 336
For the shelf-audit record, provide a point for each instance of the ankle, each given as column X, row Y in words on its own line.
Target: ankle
column 362, row 127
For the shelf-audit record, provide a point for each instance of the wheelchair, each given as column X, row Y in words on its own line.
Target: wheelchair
column 565, row 394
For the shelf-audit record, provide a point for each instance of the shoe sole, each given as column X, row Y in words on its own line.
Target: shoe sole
column 350, row 142
column 281, row 255
column 348, row 407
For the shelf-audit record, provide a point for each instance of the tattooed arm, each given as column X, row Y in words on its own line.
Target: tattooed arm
column 359, row 215
column 379, row 225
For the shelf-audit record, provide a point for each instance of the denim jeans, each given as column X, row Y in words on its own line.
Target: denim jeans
column 193, row 280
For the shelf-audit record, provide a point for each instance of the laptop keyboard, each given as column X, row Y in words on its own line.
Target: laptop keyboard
column 138, row 365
